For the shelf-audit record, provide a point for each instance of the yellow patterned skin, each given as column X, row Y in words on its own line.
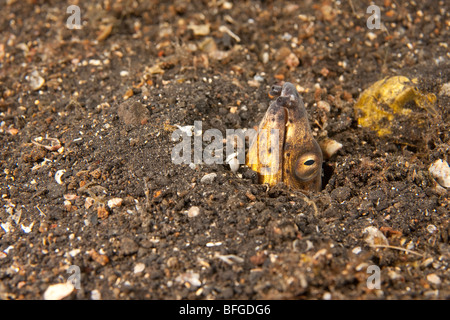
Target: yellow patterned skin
column 284, row 149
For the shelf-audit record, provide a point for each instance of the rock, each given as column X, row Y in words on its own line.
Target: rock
column 139, row 267
column 102, row 212
column 128, row 247
column 96, row 295
column 292, row 61
column 445, row 89
column 58, row 291
column 372, row 36
column 99, row 258
column 208, row 178
column 115, row 202
column 434, row 279
column 323, row 105
column 440, row 170
column 375, row 237
column 133, row 112
column 193, row 211
column 36, row 81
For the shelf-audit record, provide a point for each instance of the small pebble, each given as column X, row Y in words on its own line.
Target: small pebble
column 139, row 267
column 258, row 78
column 445, row 89
column 58, row 291
column 375, row 237
column 372, row 36
column 265, row 57
column 323, row 105
column 115, row 202
column 36, row 81
column 193, row 212
column 440, row 170
column 96, row 295
column 208, row 178
column 431, row 228
column 434, row 279
column 95, row 62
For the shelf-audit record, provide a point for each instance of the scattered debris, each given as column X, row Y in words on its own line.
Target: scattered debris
column 230, row 258
column 230, row 33
column 54, row 143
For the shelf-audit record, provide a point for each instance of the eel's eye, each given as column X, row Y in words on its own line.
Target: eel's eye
column 307, row 166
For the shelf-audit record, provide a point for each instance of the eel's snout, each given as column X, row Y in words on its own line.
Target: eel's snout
column 289, row 90
column 287, row 95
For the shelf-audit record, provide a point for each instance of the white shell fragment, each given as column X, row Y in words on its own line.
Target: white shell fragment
column 191, row 277
column 35, row 80
column 375, row 237
column 6, row 226
column 233, row 162
column 440, row 170
column 114, row 202
column 27, row 229
column 58, row 291
column 89, row 202
column 234, row 165
column 329, row 147
column 208, row 178
column 186, row 129
column 139, row 267
column 58, row 176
